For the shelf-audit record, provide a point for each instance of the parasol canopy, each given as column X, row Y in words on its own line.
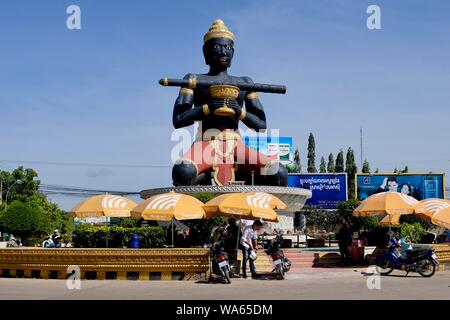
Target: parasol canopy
column 437, row 212
column 273, row 201
column 169, row 206
column 390, row 220
column 388, row 203
column 251, row 206
column 107, row 205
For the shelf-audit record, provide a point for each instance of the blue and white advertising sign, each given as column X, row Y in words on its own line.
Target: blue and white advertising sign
column 328, row 189
column 418, row 185
column 280, row 146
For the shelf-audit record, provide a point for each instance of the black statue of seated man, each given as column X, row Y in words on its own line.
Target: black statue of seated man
column 220, row 109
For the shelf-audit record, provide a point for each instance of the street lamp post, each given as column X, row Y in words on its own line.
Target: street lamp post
column 9, row 189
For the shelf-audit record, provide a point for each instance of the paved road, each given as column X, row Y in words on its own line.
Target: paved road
column 350, row 284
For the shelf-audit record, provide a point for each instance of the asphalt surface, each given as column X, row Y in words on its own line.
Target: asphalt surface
column 349, row 284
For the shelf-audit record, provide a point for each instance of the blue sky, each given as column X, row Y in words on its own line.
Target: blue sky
column 91, row 95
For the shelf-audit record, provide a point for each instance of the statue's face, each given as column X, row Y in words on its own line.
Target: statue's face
column 218, row 52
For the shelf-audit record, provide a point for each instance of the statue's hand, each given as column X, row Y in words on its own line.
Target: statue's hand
column 233, row 104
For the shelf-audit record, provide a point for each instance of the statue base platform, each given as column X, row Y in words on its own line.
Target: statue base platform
column 294, row 198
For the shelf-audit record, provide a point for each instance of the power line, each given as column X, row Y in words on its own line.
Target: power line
column 81, row 164
column 84, row 164
column 77, row 191
column 413, row 161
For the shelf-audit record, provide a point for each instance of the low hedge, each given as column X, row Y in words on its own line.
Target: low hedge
column 89, row 236
column 380, row 237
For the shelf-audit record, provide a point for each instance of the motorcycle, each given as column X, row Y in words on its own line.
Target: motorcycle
column 281, row 263
column 220, row 262
column 422, row 260
column 48, row 243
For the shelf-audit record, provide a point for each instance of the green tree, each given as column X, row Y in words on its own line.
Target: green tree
column 330, row 167
column 406, row 170
column 323, row 165
column 377, row 171
column 58, row 218
column 345, row 210
column 27, row 192
column 21, row 183
column 25, row 219
column 296, row 167
column 321, row 219
column 396, row 170
column 340, row 162
column 366, row 167
column 311, row 154
column 351, row 169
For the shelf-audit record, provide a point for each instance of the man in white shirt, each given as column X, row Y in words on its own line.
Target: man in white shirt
column 246, row 222
column 249, row 242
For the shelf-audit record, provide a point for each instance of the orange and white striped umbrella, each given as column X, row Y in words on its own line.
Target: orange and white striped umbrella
column 390, row 220
column 437, row 211
column 273, row 201
column 107, row 205
column 244, row 205
column 169, row 206
column 388, row 203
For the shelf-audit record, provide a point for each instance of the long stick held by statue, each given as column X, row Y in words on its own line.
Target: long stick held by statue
column 194, row 83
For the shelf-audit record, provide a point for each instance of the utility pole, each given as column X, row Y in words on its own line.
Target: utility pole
column 361, row 146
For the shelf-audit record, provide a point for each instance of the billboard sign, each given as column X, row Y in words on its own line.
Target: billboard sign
column 328, row 189
column 280, row 146
column 418, row 185
column 92, row 220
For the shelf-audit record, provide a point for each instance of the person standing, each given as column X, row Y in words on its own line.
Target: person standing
column 231, row 237
column 56, row 239
column 344, row 238
column 249, row 243
column 12, row 242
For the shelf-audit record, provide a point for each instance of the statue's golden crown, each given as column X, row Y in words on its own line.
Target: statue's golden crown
column 218, row 30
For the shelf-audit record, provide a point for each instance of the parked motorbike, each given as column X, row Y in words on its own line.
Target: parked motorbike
column 48, row 243
column 281, row 263
column 422, row 260
column 220, row 262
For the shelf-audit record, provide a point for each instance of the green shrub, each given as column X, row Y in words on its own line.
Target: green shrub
column 414, row 232
column 204, row 196
column 129, row 222
column 412, row 219
column 200, row 230
column 33, row 241
column 378, row 236
column 89, row 236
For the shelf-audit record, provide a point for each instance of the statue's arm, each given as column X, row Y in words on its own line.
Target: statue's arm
column 254, row 116
column 183, row 113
